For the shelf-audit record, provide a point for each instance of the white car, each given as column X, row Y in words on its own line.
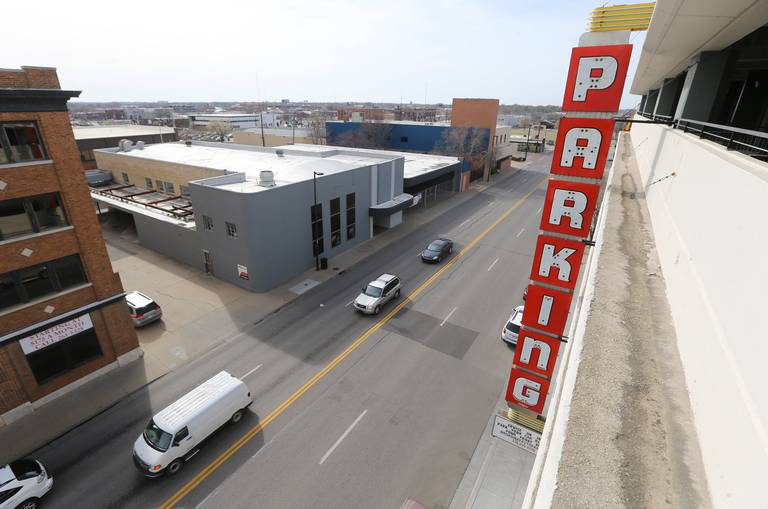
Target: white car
column 512, row 327
column 22, row 484
column 142, row 309
column 378, row 293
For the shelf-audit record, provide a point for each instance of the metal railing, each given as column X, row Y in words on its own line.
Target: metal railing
column 745, row 141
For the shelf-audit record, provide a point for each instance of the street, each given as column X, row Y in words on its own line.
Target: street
column 349, row 410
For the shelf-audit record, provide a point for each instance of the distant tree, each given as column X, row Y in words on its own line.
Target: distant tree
column 317, row 131
column 524, row 122
column 220, row 128
column 376, row 134
column 468, row 144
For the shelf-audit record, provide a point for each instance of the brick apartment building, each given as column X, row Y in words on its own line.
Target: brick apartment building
column 63, row 318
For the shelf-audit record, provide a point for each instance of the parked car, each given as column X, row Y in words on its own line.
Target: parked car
column 143, row 310
column 512, row 327
column 173, row 435
column 23, row 483
column 378, row 293
column 437, row 250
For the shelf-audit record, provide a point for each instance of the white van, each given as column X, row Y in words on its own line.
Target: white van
column 173, row 435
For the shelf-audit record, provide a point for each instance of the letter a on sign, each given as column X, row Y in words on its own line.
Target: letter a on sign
column 596, row 78
column 569, row 207
column 526, row 390
column 582, row 147
column 536, row 352
column 546, row 309
column 557, row 261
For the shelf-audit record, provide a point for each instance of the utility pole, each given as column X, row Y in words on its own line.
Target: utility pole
column 527, row 141
column 293, row 142
column 261, row 121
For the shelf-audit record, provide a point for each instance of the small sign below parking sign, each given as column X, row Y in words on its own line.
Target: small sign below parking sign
column 515, row 434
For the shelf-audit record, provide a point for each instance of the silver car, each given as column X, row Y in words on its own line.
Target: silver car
column 378, row 293
column 143, row 310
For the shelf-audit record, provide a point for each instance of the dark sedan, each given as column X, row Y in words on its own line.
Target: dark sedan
column 437, row 250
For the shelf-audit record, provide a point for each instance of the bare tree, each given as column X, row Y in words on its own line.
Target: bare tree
column 376, row 134
column 470, row 144
column 220, row 128
column 317, row 131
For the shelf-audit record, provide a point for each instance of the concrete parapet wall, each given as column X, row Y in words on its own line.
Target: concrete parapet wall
column 709, row 225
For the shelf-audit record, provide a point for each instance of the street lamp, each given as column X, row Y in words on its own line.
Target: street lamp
column 527, row 141
column 315, row 174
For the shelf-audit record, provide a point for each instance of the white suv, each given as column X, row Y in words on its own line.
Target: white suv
column 22, row 484
column 378, row 293
column 512, row 328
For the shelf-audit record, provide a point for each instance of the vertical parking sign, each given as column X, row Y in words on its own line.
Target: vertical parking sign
column 595, row 84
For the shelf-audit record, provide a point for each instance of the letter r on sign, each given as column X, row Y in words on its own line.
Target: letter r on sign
column 569, row 207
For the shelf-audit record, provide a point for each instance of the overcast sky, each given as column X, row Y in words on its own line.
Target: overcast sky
column 328, row 50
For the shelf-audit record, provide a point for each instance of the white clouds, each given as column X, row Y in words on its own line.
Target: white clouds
column 330, row 50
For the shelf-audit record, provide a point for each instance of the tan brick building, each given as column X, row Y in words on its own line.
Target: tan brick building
column 63, row 318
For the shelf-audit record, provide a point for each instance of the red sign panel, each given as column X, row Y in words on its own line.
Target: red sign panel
column 536, row 352
column 569, row 207
column 546, row 309
column 557, row 261
column 526, row 390
column 582, row 147
column 596, row 78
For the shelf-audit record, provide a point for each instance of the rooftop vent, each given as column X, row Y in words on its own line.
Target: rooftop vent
column 266, row 178
column 280, row 153
column 188, row 142
column 125, row 145
column 139, row 145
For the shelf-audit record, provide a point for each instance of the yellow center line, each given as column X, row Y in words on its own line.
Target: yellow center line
column 232, row 449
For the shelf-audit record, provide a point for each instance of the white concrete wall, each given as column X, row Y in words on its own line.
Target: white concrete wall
column 711, row 231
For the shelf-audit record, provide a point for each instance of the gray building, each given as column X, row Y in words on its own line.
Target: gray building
column 254, row 222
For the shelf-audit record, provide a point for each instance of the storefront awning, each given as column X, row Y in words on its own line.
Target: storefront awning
column 387, row 208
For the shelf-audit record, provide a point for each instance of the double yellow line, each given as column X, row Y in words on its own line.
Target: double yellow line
column 207, row 471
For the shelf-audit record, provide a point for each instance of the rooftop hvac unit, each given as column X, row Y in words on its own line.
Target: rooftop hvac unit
column 125, row 145
column 280, row 153
column 139, row 145
column 266, row 178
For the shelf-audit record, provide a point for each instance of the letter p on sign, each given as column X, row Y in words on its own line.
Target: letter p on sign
column 596, row 78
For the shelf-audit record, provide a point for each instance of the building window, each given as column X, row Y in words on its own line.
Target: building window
column 403, row 139
column 231, row 229
column 159, row 184
column 316, row 212
column 350, row 216
column 169, row 188
column 335, row 222
column 184, row 190
column 64, row 355
column 20, row 142
column 37, row 281
column 149, row 183
column 126, row 179
column 207, row 222
column 32, row 214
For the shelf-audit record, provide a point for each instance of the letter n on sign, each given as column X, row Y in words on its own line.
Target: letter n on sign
column 526, row 390
column 536, row 353
column 569, row 207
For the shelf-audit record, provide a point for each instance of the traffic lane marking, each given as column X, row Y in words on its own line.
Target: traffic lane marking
column 494, row 263
column 342, row 437
column 449, row 316
column 520, row 232
column 258, row 428
column 251, row 371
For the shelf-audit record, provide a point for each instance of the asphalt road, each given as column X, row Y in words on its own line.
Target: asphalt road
column 397, row 417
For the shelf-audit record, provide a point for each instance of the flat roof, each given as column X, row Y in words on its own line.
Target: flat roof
column 224, row 115
column 416, row 164
column 118, row 131
column 403, row 122
column 292, row 167
column 284, row 131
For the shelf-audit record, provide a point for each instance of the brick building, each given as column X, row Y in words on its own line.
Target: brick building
column 63, row 318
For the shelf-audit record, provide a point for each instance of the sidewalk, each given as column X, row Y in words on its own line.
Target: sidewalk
column 194, row 326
